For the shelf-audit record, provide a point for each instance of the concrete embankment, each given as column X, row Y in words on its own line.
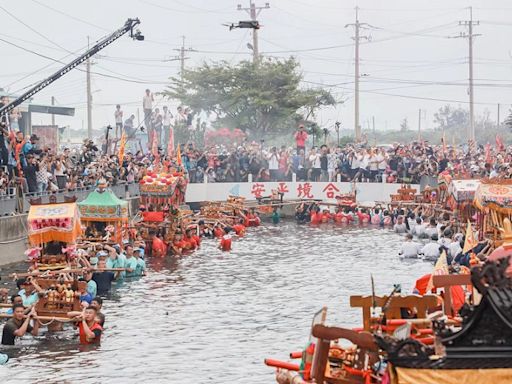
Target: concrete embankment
column 13, row 238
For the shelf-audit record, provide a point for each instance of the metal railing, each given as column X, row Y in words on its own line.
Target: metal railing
column 10, row 204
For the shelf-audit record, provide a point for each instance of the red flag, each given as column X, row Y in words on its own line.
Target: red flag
column 178, row 156
column 499, row 143
column 488, row 157
column 170, row 144
column 154, row 146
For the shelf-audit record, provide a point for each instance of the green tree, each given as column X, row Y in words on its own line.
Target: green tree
column 449, row 118
column 264, row 100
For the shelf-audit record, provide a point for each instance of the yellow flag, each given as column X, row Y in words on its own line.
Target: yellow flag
column 441, row 268
column 178, row 156
column 470, row 242
column 122, row 144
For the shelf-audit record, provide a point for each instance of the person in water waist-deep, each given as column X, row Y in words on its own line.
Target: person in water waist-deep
column 316, row 216
column 363, row 216
column 239, row 228
column 276, row 217
column 218, row 232
column 190, row 240
column 225, row 241
column 18, row 325
column 325, row 217
column 88, row 325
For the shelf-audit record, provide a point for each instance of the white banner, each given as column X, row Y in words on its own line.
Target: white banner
column 292, row 190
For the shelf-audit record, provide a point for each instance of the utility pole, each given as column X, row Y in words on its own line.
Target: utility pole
column 498, row 118
column 53, row 116
column 374, row 133
column 419, row 125
column 254, row 12
column 181, row 57
column 89, row 96
column 470, row 23
column 357, row 38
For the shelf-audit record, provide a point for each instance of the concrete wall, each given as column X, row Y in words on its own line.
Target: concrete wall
column 13, row 239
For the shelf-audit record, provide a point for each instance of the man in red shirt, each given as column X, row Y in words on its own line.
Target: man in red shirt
column 239, row 228
column 300, row 138
column 225, row 241
column 90, row 330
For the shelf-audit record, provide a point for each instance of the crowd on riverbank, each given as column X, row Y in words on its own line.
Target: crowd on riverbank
column 42, row 169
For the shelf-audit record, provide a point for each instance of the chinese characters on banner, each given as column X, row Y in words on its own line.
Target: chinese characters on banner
column 297, row 190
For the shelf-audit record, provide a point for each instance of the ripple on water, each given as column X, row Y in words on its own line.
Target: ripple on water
column 212, row 317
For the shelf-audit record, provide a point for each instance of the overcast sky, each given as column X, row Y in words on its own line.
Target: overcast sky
column 411, row 62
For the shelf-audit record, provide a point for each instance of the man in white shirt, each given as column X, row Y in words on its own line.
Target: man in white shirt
column 454, row 247
column 118, row 115
column 147, row 105
column 430, row 251
column 374, row 166
column 316, row 167
column 419, row 228
column 409, row 248
column 166, row 126
column 400, row 226
column 431, row 228
column 273, row 164
column 382, row 157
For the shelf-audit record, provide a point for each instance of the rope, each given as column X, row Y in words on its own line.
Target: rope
column 45, row 324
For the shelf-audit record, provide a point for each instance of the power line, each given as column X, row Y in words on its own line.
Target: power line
column 32, row 29
column 71, row 16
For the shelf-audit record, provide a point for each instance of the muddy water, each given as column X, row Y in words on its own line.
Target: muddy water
column 213, row 317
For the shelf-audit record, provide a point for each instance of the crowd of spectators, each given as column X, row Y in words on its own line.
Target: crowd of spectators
column 42, row 169
column 393, row 163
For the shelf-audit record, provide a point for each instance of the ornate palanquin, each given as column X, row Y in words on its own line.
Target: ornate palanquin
column 443, row 183
column 53, row 222
column 493, row 199
column 163, row 189
column 461, row 194
column 103, row 205
column 480, row 351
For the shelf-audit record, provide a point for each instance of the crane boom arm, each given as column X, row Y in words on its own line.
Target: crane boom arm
column 128, row 27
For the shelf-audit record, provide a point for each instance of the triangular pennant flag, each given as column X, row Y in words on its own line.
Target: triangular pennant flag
column 441, row 268
column 470, row 242
column 235, row 191
column 178, row 156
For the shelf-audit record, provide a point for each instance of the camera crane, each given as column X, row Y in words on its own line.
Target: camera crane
column 128, row 27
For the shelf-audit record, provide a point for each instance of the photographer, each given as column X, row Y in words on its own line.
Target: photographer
column 89, row 151
column 30, row 172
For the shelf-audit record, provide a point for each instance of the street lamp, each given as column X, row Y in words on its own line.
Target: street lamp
column 326, row 132
column 337, row 128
